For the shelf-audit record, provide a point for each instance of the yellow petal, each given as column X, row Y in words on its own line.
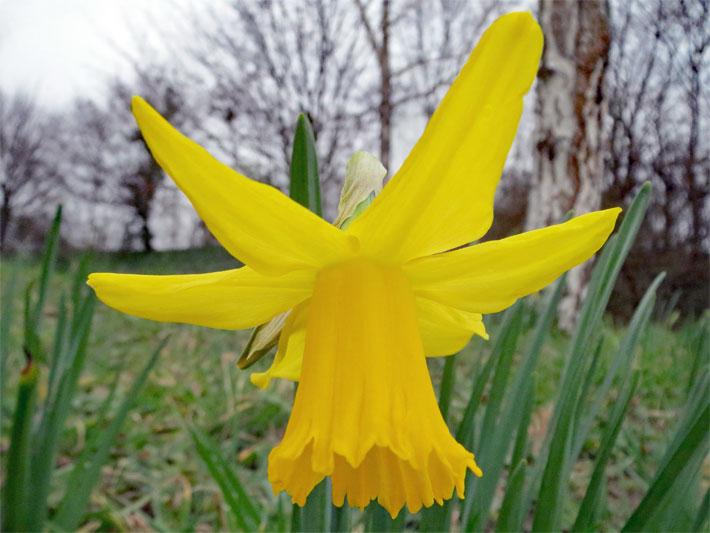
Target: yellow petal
column 442, row 197
column 289, row 356
column 256, row 223
column 446, row 330
column 232, row 299
column 365, row 412
column 489, row 277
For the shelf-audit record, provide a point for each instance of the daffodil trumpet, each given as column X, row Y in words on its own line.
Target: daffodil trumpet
column 370, row 302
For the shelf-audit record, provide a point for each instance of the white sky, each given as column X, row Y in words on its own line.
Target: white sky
column 58, row 49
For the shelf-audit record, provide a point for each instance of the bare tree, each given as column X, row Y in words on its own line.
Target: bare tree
column 108, row 162
column 263, row 63
column 658, row 88
column 569, row 168
column 27, row 178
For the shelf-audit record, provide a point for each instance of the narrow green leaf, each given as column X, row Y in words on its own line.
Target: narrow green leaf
column 690, row 452
column 305, row 189
column 701, row 518
column 510, row 508
column 555, row 457
column 700, row 346
column 49, row 257
column 518, row 407
column 17, row 494
column 315, row 514
column 8, row 299
column 448, row 381
column 379, row 519
column 587, row 510
column 241, row 506
column 464, row 433
column 87, row 468
column 620, row 364
column 521, row 438
column 341, row 520
column 46, row 439
column 58, row 350
column 494, row 441
column 305, row 186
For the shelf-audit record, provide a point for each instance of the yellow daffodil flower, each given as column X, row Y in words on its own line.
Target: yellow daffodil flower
column 370, row 302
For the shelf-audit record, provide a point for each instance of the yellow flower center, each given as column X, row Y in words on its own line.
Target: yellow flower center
column 365, row 412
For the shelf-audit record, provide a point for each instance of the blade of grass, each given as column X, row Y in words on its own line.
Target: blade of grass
column 518, row 405
column 701, row 518
column 587, row 510
column 621, row 363
column 510, row 508
column 58, row 350
column 46, row 439
column 448, row 380
column 511, row 514
column 87, row 468
column 477, row 502
column 341, row 519
column 49, row 258
column 555, row 458
column 315, row 514
column 244, row 511
column 8, row 299
column 689, row 453
column 379, row 519
column 465, row 431
column 17, row 499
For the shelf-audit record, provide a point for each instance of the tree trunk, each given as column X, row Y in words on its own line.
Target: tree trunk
column 146, row 235
column 569, row 162
column 5, row 214
column 385, row 109
column 380, row 46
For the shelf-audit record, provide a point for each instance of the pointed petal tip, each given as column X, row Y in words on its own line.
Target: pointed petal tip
column 137, row 103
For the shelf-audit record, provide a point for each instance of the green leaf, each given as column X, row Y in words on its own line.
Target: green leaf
column 341, row 518
column 87, row 468
column 518, row 407
column 555, row 457
column 688, row 454
column 587, row 510
column 244, row 511
column 315, row 514
column 494, row 440
column 703, row 513
column 510, row 508
column 305, row 186
column 448, row 381
column 17, row 495
column 46, row 439
column 621, row 363
column 48, row 259
column 379, row 519
column 8, row 298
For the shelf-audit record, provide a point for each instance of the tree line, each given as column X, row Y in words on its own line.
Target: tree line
column 365, row 73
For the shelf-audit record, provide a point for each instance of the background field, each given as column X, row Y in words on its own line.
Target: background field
column 154, row 477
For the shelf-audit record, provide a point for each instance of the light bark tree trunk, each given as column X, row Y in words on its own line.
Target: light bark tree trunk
column 380, row 46
column 569, row 159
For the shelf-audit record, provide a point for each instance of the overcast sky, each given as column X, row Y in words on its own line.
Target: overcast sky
column 56, row 49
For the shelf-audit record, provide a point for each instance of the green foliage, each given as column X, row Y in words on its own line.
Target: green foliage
column 36, row 433
column 604, row 430
column 305, row 184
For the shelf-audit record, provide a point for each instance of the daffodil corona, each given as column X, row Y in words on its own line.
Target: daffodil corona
column 370, row 302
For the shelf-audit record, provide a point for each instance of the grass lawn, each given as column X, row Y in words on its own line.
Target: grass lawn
column 155, row 479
